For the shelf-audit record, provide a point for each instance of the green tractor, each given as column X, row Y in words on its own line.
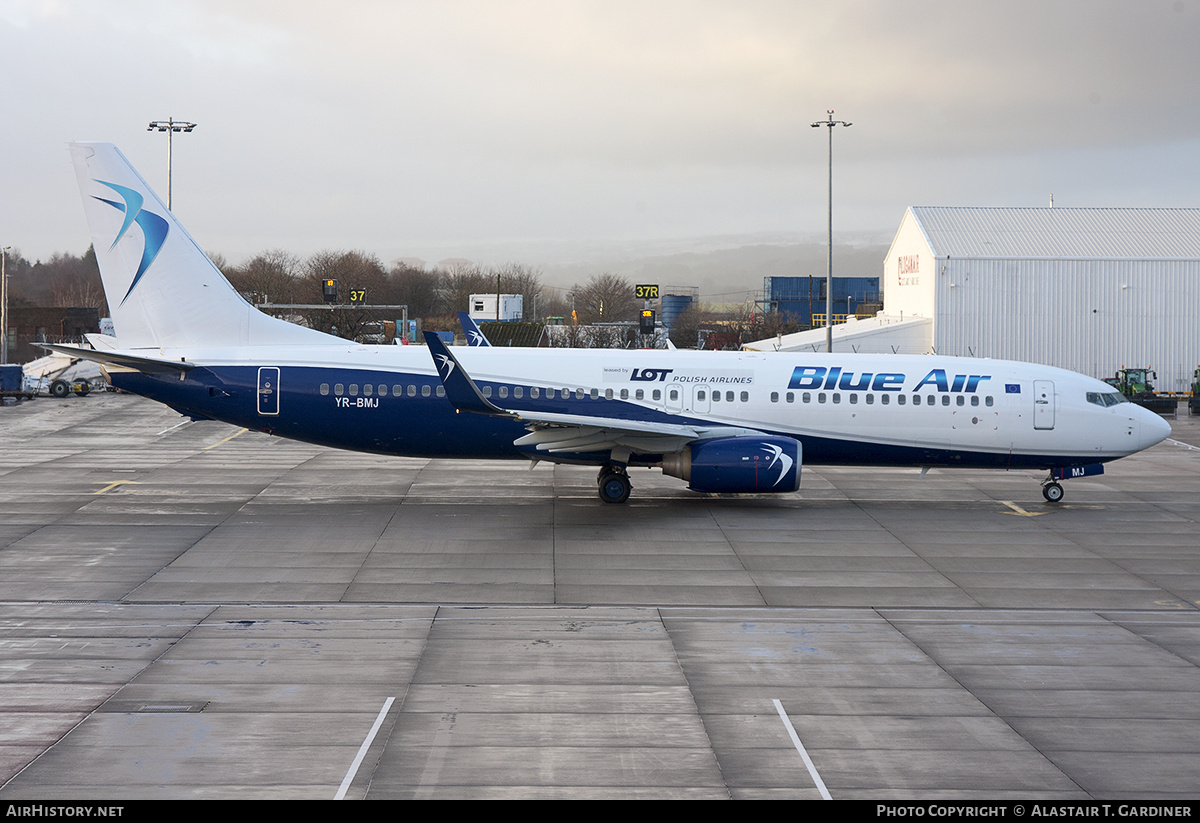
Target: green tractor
column 1135, row 384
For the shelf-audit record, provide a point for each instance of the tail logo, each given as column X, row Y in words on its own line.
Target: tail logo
column 154, row 228
column 446, row 363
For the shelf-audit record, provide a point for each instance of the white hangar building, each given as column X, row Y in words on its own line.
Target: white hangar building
column 1088, row 290
column 1085, row 289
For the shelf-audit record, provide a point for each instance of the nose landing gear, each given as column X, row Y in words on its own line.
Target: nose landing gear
column 1052, row 491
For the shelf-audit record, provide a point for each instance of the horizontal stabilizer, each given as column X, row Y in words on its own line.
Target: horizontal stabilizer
column 148, row 365
column 102, row 342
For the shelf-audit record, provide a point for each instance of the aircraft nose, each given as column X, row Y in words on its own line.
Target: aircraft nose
column 1152, row 428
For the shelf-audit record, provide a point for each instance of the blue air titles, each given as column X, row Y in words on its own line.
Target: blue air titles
column 820, row 377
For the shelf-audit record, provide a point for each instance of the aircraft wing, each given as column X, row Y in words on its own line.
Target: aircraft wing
column 562, row 433
column 555, row 433
column 149, row 365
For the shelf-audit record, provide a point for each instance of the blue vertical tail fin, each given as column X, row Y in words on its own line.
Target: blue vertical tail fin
column 472, row 331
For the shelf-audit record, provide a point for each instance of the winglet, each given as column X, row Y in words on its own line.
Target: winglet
column 472, row 331
column 461, row 390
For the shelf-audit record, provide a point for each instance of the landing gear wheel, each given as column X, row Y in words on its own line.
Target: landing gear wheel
column 614, row 487
column 1053, row 492
column 60, row 388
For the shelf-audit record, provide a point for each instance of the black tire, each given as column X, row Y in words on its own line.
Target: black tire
column 1053, row 492
column 83, row 390
column 614, row 488
column 60, row 388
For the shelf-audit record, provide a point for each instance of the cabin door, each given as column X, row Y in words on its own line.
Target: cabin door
column 1043, row 404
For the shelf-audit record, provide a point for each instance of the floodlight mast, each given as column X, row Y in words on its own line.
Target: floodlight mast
column 170, row 126
column 830, row 123
column 4, row 305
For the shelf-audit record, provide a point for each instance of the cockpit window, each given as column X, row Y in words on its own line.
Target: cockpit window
column 1106, row 398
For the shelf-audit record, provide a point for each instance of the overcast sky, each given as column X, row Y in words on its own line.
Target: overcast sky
column 422, row 128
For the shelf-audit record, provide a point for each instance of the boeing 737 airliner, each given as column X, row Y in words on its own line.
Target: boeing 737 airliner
column 724, row 422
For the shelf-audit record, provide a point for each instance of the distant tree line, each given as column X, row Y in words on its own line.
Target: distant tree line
column 727, row 329
column 434, row 295
column 62, row 281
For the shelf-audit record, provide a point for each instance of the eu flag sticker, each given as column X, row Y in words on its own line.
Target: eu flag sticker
column 1012, row 388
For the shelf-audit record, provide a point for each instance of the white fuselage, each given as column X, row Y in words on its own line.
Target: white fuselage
column 845, row 408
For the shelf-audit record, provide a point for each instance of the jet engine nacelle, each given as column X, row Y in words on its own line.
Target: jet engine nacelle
column 738, row 465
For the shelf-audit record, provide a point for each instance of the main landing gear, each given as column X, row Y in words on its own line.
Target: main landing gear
column 613, row 482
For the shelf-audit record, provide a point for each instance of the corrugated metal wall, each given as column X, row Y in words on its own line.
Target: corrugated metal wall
column 1090, row 316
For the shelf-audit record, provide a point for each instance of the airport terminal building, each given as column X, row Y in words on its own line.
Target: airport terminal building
column 1085, row 289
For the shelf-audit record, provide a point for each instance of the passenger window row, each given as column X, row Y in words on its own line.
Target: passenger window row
column 729, row 396
column 369, row 390
column 535, row 393
column 884, row 399
column 503, row 392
